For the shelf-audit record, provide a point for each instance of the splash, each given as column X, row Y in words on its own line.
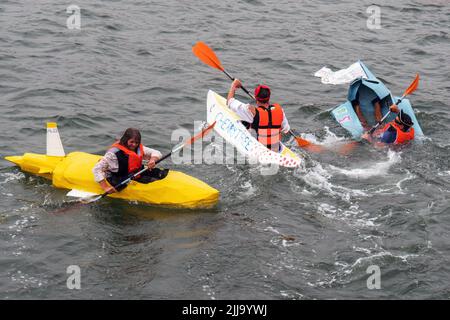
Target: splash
column 319, row 178
column 10, row 176
column 329, row 138
column 376, row 169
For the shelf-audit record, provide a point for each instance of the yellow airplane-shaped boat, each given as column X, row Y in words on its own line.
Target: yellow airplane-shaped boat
column 74, row 171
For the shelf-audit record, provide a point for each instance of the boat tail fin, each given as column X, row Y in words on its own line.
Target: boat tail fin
column 54, row 144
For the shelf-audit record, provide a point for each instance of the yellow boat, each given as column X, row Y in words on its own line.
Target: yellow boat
column 74, row 171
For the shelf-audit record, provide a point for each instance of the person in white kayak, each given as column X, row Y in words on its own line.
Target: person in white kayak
column 123, row 159
column 268, row 120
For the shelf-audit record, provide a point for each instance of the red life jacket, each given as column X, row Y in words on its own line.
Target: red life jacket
column 129, row 161
column 267, row 123
column 402, row 137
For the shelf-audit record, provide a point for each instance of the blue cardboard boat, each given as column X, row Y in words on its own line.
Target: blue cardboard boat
column 366, row 89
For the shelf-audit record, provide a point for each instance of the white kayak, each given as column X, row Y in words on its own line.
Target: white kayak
column 229, row 126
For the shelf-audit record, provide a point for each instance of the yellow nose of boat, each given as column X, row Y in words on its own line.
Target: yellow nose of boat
column 38, row 164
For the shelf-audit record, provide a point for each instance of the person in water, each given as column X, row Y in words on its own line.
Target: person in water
column 376, row 108
column 398, row 131
column 123, row 159
column 268, row 120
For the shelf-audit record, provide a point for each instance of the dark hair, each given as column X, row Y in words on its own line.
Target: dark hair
column 130, row 133
column 264, row 94
column 405, row 120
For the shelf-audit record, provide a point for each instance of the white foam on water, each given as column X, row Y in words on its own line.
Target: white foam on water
column 248, row 190
column 369, row 258
column 318, row 178
column 290, row 294
column 393, row 189
column 399, row 184
column 324, row 208
column 353, row 215
column 272, row 229
column 10, row 176
column 444, row 173
column 363, row 250
column 329, row 138
column 27, row 281
column 346, row 269
column 207, row 287
column 375, row 169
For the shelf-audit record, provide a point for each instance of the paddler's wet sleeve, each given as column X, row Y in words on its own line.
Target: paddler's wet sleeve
column 105, row 166
column 149, row 152
column 389, row 136
column 285, row 127
column 241, row 109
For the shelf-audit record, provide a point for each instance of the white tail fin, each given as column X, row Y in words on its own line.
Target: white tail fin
column 54, row 145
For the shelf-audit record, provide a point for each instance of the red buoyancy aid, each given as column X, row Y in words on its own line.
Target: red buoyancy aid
column 134, row 159
column 402, row 137
column 267, row 123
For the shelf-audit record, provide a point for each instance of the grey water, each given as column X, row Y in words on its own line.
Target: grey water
column 309, row 233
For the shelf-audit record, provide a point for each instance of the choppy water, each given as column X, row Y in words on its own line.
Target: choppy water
column 304, row 234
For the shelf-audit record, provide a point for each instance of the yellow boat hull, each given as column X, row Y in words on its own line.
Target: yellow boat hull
column 74, row 171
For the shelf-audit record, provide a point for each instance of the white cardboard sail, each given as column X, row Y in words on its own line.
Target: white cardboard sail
column 54, row 145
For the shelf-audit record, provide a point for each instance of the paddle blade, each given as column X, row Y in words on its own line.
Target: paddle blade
column 201, row 134
column 302, row 142
column 413, row 86
column 80, row 194
column 207, row 55
column 305, row 144
column 314, row 148
column 347, row 148
column 90, row 199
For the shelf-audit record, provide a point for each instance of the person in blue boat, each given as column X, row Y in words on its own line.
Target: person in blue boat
column 397, row 132
column 123, row 159
column 268, row 120
column 376, row 108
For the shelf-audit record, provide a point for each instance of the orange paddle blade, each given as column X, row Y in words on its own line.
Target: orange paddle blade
column 413, row 86
column 302, row 142
column 207, row 55
column 347, row 148
column 305, row 144
column 201, row 134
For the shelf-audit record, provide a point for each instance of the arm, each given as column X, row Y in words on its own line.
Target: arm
column 235, row 107
column 108, row 163
column 152, row 156
column 377, row 107
column 357, row 108
column 386, row 137
column 372, row 140
column 285, row 127
column 234, row 85
column 394, row 108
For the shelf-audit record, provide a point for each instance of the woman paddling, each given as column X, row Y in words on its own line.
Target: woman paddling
column 123, row 159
